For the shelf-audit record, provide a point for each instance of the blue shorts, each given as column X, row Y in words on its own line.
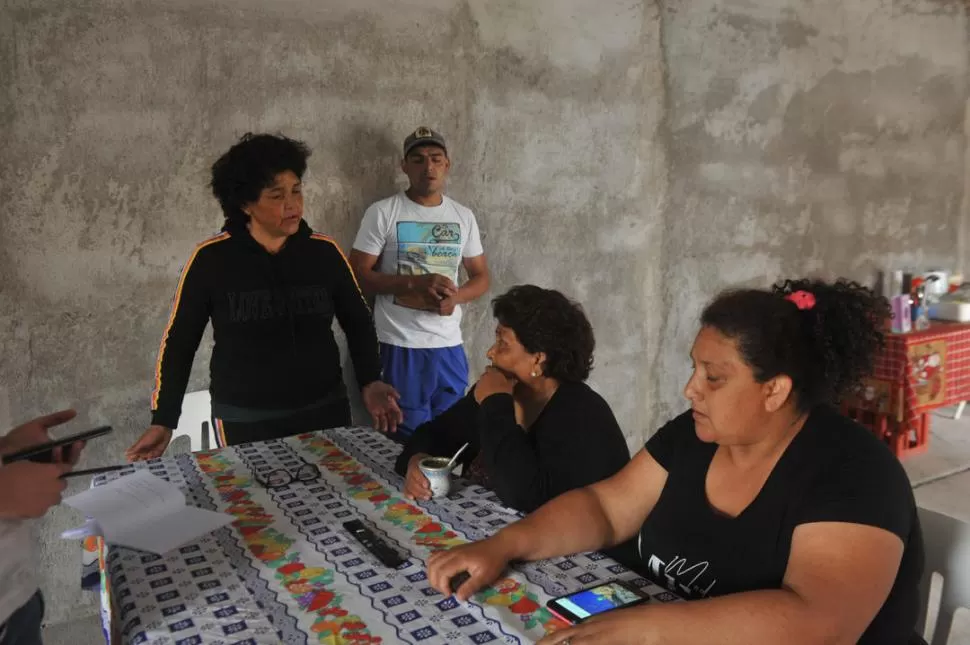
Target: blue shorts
column 429, row 380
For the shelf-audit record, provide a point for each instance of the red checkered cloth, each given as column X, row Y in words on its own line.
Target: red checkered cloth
column 895, row 365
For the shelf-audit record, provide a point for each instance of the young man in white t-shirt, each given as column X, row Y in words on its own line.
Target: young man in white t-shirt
column 27, row 491
column 408, row 252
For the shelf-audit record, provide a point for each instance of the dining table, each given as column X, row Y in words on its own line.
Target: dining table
column 285, row 570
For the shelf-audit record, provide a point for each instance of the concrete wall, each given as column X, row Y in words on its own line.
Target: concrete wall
column 637, row 157
column 820, row 137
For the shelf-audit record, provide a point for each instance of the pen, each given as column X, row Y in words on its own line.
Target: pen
column 92, row 471
column 24, row 455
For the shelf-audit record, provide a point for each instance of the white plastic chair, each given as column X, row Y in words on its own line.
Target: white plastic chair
column 195, row 422
column 945, row 587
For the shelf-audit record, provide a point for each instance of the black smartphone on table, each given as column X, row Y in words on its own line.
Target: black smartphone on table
column 44, row 452
column 576, row 607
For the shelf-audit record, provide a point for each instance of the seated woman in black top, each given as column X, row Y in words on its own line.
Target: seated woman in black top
column 535, row 429
column 784, row 521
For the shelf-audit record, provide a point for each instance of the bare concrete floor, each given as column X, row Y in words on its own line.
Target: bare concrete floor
column 941, row 481
column 941, row 476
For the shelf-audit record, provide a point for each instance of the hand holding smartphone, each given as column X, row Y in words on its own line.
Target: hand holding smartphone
column 44, row 452
column 578, row 606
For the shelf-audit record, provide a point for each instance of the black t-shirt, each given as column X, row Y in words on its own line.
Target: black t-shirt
column 834, row 470
column 574, row 442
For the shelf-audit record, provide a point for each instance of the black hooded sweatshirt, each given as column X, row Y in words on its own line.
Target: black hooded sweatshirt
column 272, row 318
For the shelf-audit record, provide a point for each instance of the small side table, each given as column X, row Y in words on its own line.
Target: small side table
column 915, row 374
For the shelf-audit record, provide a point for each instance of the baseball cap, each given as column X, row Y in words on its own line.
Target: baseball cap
column 424, row 136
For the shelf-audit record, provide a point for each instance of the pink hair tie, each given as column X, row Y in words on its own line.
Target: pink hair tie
column 804, row 300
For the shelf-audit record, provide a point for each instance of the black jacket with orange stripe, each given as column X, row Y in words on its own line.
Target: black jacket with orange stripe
column 272, row 317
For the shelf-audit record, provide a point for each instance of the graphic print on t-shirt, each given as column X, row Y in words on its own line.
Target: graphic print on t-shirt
column 424, row 248
column 692, row 580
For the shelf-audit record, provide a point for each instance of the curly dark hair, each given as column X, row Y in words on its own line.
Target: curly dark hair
column 249, row 166
column 544, row 320
column 826, row 350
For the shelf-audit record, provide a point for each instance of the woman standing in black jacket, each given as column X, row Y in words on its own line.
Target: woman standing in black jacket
column 535, row 429
column 271, row 287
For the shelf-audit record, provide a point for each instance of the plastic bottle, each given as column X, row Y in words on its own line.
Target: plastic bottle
column 920, row 310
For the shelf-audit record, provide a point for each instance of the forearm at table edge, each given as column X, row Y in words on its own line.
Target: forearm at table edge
column 444, row 434
column 401, row 463
column 765, row 616
column 172, row 374
column 420, row 441
column 574, row 522
column 180, row 340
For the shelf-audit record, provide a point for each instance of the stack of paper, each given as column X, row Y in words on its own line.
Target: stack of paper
column 144, row 512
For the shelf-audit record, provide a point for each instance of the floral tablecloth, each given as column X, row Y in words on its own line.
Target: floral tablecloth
column 286, row 571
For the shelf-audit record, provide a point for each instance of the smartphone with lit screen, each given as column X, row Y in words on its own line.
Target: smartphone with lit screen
column 578, row 606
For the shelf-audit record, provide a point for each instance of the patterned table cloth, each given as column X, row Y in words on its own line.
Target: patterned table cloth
column 286, row 571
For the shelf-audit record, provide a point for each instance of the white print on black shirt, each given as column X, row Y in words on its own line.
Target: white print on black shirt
column 682, row 578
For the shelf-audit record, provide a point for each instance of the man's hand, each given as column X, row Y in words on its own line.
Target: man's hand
column 493, row 381
column 34, row 432
column 446, row 306
column 28, row 489
column 381, row 399
column 151, row 444
column 438, row 287
column 416, row 485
